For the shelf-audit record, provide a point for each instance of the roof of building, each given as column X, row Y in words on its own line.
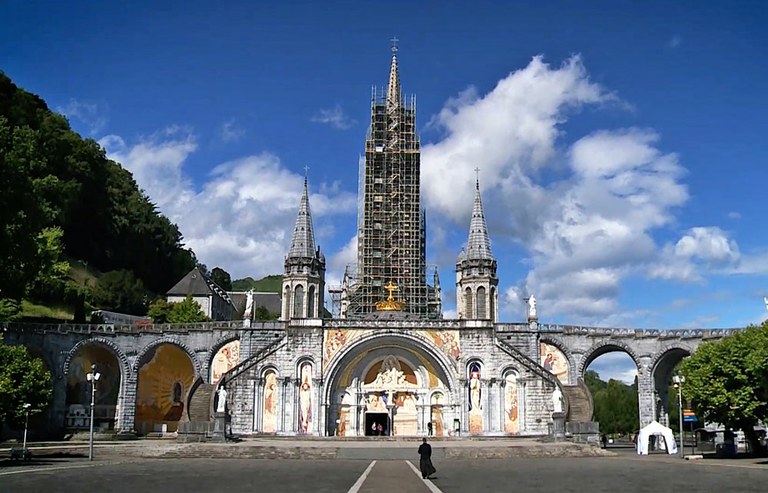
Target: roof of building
column 478, row 243
column 195, row 283
column 303, row 242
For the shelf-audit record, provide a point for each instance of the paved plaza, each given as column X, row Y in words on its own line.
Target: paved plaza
column 622, row 472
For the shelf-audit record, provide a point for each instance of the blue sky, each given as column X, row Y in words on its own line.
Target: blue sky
column 620, row 144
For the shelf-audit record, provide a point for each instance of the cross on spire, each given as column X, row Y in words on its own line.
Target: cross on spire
column 394, row 44
column 306, row 171
column 477, row 178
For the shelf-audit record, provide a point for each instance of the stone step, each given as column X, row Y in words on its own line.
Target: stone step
column 200, row 403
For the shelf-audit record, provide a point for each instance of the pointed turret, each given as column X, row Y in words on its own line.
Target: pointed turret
column 476, row 279
column 303, row 243
column 393, row 88
column 478, row 244
column 304, row 276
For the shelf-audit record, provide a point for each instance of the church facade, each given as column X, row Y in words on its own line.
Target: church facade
column 389, row 364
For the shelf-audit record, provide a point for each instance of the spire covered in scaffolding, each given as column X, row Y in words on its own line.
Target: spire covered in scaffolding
column 393, row 88
column 478, row 244
column 303, row 243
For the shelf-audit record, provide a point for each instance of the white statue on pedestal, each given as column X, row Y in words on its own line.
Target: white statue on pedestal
column 221, row 406
column 532, row 315
column 557, row 400
column 248, row 313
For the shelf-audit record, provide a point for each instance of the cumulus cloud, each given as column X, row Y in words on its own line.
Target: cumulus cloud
column 241, row 217
column 89, row 113
column 584, row 231
column 700, row 250
column 334, row 117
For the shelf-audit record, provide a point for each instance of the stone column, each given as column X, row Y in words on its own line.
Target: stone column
column 645, row 393
column 127, row 400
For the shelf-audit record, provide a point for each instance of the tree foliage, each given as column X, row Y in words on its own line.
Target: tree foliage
column 222, row 278
column 23, row 380
column 60, row 196
column 727, row 380
column 187, row 311
column 616, row 406
column 120, row 291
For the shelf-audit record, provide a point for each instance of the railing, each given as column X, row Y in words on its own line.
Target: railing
column 136, row 328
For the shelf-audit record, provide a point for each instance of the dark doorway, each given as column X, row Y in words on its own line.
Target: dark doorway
column 376, row 424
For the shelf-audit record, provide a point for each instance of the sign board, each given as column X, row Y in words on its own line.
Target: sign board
column 689, row 415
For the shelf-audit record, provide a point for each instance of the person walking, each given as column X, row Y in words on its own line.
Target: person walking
column 429, row 428
column 425, row 460
column 380, row 429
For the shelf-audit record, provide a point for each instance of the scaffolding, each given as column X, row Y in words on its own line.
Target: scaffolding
column 391, row 223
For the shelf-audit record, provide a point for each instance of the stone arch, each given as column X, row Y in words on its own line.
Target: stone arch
column 304, row 358
column 667, row 352
column 335, row 365
column 217, row 345
column 125, row 367
column 167, row 340
column 510, row 369
column 603, row 347
column 474, row 360
column 267, row 368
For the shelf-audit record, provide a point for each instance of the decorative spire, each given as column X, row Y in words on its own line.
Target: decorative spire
column 478, row 244
column 393, row 89
column 303, row 243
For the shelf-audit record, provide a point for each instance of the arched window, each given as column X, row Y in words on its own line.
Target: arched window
column 298, row 302
column 492, row 305
column 311, row 303
column 468, row 303
column 287, row 303
column 481, row 313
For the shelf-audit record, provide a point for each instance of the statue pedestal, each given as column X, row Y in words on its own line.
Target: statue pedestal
column 219, row 427
column 558, row 426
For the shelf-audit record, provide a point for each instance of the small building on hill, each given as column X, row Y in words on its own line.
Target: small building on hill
column 213, row 300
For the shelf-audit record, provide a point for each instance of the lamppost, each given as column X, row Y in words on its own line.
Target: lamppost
column 26, row 425
column 92, row 377
column 678, row 381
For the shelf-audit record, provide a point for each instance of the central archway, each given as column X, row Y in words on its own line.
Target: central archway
column 384, row 383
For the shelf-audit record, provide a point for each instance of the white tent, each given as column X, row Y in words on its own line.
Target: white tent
column 657, row 429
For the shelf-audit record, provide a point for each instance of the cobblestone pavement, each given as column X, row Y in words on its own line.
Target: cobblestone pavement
column 621, row 473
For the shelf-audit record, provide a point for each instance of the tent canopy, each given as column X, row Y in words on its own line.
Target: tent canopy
column 654, row 428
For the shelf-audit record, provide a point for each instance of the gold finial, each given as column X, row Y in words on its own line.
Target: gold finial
column 390, row 304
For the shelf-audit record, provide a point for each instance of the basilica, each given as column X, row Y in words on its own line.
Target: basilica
column 388, row 363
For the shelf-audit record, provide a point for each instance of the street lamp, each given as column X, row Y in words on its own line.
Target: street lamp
column 678, row 381
column 26, row 425
column 92, row 377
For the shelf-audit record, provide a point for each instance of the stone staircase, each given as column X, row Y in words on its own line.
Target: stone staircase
column 200, row 402
column 199, row 424
column 579, row 401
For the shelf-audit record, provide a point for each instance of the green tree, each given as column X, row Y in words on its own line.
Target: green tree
column 23, row 380
column 616, row 406
column 222, row 278
column 120, row 291
column 187, row 311
column 727, row 380
column 262, row 314
column 160, row 311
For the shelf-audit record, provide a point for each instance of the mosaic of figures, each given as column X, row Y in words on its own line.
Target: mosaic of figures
column 446, row 340
column 226, row 358
column 78, row 391
column 554, row 361
column 511, row 422
column 162, row 388
column 305, row 398
column 269, row 411
column 475, row 404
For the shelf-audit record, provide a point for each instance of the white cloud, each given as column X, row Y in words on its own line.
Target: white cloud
column 334, row 117
column 701, row 250
column 587, row 230
column 230, row 131
column 89, row 113
column 675, row 41
column 241, row 218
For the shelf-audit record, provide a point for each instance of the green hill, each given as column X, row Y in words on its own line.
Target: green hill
column 268, row 284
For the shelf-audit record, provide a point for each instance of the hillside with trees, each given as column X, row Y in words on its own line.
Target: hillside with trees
column 616, row 407
column 63, row 202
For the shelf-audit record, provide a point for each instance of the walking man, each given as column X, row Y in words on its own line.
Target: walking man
column 429, row 428
column 425, row 460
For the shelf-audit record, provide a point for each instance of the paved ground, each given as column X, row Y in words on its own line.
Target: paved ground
column 624, row 473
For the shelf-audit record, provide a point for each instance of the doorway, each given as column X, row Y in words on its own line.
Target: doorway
column 376, row 424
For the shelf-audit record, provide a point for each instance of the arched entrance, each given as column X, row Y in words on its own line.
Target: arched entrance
column 78, row 396
column 165, row 376
column 384, row 386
